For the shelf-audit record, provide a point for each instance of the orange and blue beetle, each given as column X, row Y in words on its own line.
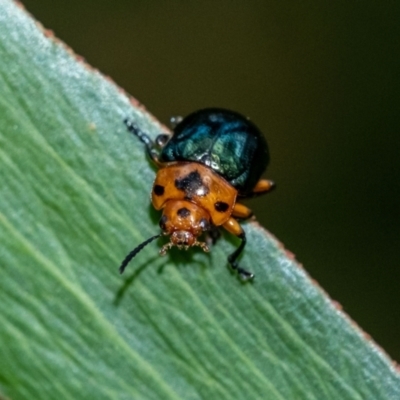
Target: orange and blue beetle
column 213, row 158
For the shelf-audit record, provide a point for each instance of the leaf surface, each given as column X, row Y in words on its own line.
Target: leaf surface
column 74, row 200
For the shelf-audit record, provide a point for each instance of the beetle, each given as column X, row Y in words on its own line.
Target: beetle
column 213, row 158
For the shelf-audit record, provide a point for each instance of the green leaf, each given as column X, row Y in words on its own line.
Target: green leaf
column 74, row 200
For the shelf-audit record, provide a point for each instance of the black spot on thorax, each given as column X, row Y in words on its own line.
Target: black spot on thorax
column 183, row 212
column 158, row 190
column 221, row 206
column 192, row 185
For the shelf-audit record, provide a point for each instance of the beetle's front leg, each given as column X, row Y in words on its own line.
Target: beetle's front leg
column 234, row 227
column 212, row 235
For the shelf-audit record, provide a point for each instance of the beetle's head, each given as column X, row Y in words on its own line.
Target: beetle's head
column 184, row 222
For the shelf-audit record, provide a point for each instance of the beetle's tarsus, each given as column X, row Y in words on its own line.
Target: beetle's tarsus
column 175, row 120
column 243, row 274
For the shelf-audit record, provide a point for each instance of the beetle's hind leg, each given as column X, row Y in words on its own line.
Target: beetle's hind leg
column 234, row 227
column 151, row 146
column 241, row 211
column 263, row 186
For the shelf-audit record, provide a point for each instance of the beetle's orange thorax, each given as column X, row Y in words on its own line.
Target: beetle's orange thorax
column 194, row 183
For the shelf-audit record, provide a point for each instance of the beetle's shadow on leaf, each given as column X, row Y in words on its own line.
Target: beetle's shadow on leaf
column 128, row 282
column 185, row 258
column 178, row 258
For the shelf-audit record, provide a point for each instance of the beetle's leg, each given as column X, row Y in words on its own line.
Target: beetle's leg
column 241, row 211
column 234, row 227
column 212, row 235
column 263, row 186
column 144, row 138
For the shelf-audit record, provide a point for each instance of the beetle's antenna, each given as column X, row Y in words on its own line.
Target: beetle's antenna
column 136, row 250
column 144, row 138
column 138, row 133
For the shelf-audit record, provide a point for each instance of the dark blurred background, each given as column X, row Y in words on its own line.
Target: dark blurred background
column 321, row 79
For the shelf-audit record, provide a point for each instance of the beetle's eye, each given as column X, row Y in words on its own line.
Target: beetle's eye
column 163, row 221
column 162, row 139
